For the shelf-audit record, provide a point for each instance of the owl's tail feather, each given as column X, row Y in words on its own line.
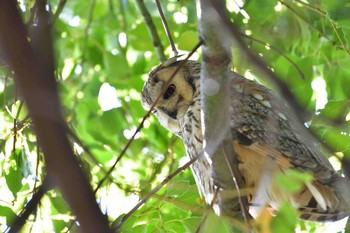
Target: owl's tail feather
column 327, row 202
column 312, row 214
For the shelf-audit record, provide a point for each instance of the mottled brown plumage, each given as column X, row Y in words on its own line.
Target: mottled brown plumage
column 266, row 139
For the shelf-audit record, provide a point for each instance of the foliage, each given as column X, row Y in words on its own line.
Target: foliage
column 103, row 54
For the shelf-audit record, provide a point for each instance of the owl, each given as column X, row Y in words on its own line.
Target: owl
column 267, row 140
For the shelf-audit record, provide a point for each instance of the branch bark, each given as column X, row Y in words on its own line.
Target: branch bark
column 216, row 105
column 38, row 87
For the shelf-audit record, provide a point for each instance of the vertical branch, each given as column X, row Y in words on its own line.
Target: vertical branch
column 216, row 105
column 166, row 28
column 152, row 30
column 33, row 66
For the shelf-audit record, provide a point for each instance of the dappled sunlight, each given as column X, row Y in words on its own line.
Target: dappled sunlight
column 108, row 98
column 320, row 92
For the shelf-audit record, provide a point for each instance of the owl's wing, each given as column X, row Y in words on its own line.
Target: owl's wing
column 269, row 140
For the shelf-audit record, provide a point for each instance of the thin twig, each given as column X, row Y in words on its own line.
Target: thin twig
column 32, row 13
column 299, row 14
column 315, row 9
column 86, row 33
column 155, row 190
column 152, row 30
column 322, row 13
column 237, row 186
column 338, row 36
column 159, row 166
column 60, row 7
column 277, row 51
column 166, row 28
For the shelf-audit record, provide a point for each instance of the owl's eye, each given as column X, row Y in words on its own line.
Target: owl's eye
column 171, row 89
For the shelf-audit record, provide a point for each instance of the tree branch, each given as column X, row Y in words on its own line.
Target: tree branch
column 31, row 205
column 152, row 30
column 166, row 28
column 33, row 66
column 216, row 105
column 59, row 10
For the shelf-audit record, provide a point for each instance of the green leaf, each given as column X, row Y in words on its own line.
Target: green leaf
column 139, row 38
column 111, row 121
column 336, row 110
column 191, row 224
column 127, row 227
column 14, row 175
column 59, row 225
column 8, row 214
column 214, row 223
column 177, row 188
column 301, row 88
column 58, row 205
column 25, row 165
column 331, row 5
column 285, row 220
column 346, row 32
column 338, row 139
column 116, row 66
column 140, row 65
column 293, row 181
column 264, row 7
column 19, row 110
column 188, row 40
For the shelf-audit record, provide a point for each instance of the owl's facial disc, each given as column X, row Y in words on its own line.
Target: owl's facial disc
column 175, row 101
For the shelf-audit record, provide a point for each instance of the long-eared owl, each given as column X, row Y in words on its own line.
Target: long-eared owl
column 264, row 132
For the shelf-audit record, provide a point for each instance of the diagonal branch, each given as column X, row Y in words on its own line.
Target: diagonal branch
column 33, row 66
column 31, row 205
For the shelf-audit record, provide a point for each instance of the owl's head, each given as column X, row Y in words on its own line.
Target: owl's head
column 178, row 95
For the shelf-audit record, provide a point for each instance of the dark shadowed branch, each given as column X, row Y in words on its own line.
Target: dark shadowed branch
column 59, row 10
column 33, row 66
column 31, row 205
